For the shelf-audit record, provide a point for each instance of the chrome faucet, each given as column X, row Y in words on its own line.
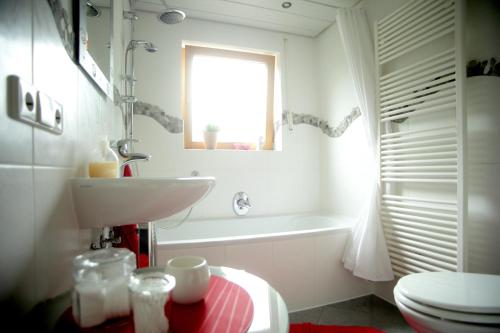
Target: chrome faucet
column 123, row 148
column 244, row 202
column 241, row 203
column 136, row 157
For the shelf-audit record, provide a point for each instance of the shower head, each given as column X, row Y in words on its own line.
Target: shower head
column 148, row 46
column 172, row 16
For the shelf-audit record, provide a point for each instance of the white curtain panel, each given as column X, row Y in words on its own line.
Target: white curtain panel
column 366, row 252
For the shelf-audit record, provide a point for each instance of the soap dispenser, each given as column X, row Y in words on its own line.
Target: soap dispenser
column 103, row 161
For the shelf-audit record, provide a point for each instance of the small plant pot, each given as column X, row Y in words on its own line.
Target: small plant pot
column 210, row 140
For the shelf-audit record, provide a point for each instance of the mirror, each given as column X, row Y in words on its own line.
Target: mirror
column 94, row 47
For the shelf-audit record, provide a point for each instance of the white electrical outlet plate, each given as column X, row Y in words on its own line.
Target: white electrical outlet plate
column 34, row 107
column 58, row 115
column 22, row 100
column 49, row 112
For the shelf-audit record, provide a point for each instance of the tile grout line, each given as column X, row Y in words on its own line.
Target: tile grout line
column 32, row 130
column 34, row 166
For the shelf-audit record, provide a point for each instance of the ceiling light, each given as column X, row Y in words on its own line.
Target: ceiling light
column 286, row 4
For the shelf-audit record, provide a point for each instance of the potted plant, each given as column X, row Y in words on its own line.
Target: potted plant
column 210, row 135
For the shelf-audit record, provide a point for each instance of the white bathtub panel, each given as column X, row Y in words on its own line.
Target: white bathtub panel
column 300, row 255
column 293, row 271
column 253, row 257
column 214, row 254
column 332, row 282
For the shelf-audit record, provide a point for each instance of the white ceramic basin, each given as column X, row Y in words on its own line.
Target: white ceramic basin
column 101, row 202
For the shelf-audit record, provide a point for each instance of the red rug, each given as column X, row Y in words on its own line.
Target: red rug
column 311, row 328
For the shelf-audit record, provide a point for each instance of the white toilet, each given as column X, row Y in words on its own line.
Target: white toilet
column 449, row 302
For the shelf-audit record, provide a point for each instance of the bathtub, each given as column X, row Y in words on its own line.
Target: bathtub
column 299, row 255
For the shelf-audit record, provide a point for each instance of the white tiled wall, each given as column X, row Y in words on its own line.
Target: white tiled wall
column 306, row 270
column 39, row 234
column 17, row 239
column 282, row 182
column 15, row 58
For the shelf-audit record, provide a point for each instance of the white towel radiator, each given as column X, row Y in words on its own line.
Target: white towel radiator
column 420, row 77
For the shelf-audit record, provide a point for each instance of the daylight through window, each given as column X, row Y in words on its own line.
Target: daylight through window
column 232, row 91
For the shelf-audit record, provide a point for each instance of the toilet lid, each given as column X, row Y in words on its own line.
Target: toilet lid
column 465, row 292
column 425, row 323
column 464, row 317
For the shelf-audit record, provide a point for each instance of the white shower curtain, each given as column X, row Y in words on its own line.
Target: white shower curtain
column 366, row 252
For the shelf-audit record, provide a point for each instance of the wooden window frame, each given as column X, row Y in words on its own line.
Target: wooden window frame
column 188, row 52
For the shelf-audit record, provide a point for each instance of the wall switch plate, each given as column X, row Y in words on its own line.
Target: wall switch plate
column 34, row 107
column 49, row 113
column 22, row 100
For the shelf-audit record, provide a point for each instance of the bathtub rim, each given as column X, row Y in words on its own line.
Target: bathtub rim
column 345, row 226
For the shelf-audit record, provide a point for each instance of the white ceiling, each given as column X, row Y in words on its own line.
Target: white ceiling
column 305, row 17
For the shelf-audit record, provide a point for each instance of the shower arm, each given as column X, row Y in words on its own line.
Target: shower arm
column 129, row 82
column 129, row 98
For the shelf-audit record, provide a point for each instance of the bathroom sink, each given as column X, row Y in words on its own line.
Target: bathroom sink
column 101, row 202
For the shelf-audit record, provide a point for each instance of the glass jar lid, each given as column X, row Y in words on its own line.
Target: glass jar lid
column 148, row 281
column 104, row 264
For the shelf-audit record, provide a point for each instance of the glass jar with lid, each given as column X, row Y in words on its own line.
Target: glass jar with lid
column 101, row 285
column 149, row 292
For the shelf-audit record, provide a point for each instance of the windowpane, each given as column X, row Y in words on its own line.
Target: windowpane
column 230, row 93
column 233, row 90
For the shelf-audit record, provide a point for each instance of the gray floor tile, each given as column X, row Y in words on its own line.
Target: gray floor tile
column 363, row 311
column 341, row 316
column 306, row 316
column 391, row 324
column 361, row 304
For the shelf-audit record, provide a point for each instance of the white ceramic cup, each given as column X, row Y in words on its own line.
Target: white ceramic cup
column 192, row 276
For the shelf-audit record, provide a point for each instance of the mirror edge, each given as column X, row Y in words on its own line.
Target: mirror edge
column 83, row 57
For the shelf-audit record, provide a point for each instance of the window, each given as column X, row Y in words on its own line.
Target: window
column 232, row 90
